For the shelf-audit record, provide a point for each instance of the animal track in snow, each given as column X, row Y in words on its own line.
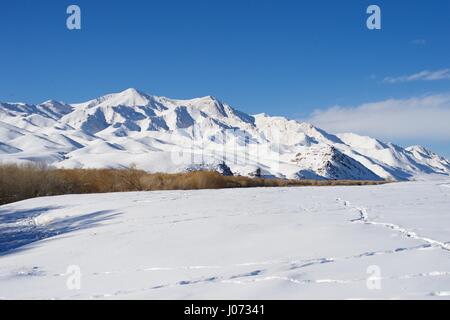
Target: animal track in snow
column 364, row 218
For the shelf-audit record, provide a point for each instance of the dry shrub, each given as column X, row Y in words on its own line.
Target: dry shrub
column 27, row 181
column 19, row 182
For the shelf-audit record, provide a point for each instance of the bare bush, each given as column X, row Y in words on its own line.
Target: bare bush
column 19, row 182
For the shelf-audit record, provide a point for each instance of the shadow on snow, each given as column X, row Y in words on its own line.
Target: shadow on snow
column 18, row 228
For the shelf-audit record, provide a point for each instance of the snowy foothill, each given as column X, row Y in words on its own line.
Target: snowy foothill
column 363, row 242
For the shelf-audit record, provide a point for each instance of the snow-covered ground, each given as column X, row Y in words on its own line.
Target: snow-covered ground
column 390, row 241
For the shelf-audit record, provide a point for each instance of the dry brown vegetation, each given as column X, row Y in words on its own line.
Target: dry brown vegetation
column 19, row 182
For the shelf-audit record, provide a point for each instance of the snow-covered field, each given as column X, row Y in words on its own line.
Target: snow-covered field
column 390, row 241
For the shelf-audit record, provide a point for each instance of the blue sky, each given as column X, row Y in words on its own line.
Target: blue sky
column 280, row 57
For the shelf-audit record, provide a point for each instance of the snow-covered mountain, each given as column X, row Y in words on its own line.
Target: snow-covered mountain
column 159, row 134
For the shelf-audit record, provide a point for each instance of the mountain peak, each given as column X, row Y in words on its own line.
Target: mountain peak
column 133, row 91
column 420, row 149
column 52, row 103
column 130, row 97
column 212, row 98
column 206, row 100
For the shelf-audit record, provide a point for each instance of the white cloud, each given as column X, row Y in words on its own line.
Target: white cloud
column 421, row 76
column 419, row 42
column 424, row 118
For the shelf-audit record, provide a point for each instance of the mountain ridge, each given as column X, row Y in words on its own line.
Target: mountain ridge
column 174, row 135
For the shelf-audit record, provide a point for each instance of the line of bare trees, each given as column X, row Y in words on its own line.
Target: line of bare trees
column 19, row 182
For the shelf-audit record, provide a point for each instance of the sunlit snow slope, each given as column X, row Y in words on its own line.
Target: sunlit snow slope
column 162, row 134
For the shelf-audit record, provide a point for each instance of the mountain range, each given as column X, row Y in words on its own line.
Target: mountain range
column 159, row 134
